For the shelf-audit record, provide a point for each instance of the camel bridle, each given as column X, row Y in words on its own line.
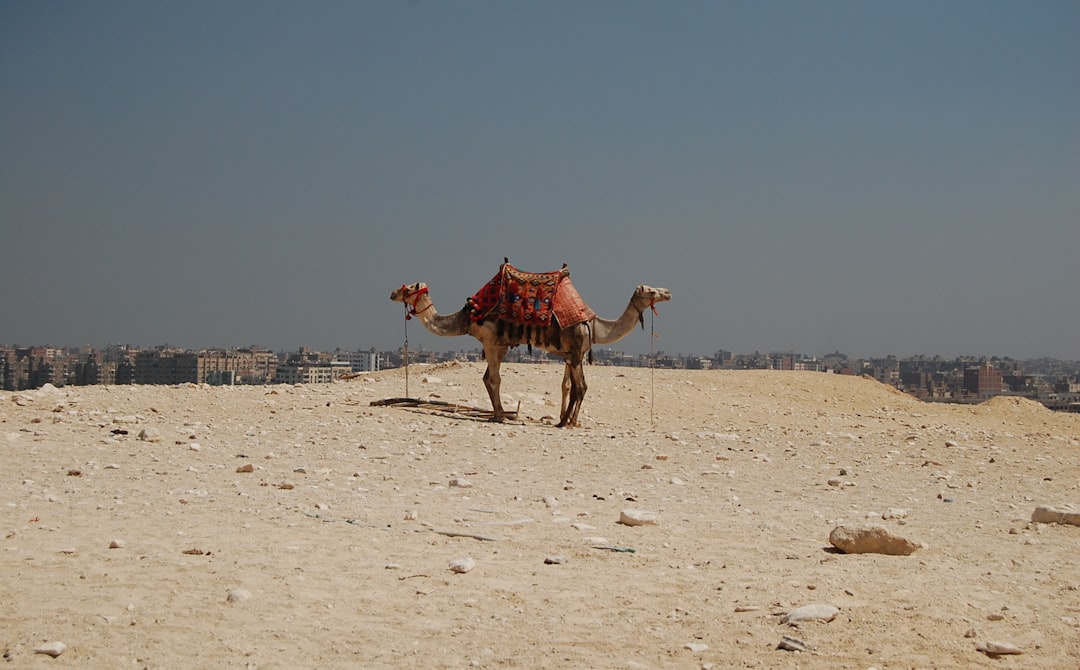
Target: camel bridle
column 410, row 298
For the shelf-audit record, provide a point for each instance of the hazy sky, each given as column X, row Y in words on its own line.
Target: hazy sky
column 870, row 177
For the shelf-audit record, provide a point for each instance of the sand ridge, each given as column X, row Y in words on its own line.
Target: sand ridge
column 343, row 532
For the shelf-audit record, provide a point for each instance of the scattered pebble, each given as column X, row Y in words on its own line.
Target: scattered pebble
column 554, row 560
column 813, row 612
column 462, row 565
column 1066, row 514
column 870, row 539
column 788, row 643
column 116, row 544
column 998, row 648
column 246, row 467
column 696, row 647
column 637, row 517
column 53, row 649
column 238, row 595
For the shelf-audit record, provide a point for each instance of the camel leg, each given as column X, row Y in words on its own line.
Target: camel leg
column 492, row 379
column 578, row 387
column 565, row 391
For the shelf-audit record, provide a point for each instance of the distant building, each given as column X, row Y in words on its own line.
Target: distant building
column 360, row 361
column 983, row 382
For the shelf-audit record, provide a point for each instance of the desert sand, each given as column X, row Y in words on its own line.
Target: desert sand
column 132, row 534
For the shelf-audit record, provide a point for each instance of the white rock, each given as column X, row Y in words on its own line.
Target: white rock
column 696, row 647
column 462, row 565
column 53, row 649
column 238, row 595
column 638, row 517
column 813, row 612
column 116, row 544
column 998, row 648
column 461, row 483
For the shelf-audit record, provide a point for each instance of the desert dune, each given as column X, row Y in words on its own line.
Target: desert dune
column 302, row 527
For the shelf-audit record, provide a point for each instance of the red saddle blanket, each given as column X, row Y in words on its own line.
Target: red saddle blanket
column 530, row 298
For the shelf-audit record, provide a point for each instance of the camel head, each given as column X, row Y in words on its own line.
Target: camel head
column 410, row 294
column 408, row 291
column 646, row 297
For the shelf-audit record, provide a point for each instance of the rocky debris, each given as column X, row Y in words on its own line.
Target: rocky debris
column 238, row 596
column 871, row 539
column 638, row 517
column 1066, row 514
column 554, row 560
column 998, row 648
column 246, row 467
column 461, row 483
column 53, row 649
column 150, row 435
column 462, row 565
column 788, row 643
column 696, row 647
column 812, row 612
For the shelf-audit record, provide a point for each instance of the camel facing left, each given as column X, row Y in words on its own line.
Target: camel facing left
column 497, row 334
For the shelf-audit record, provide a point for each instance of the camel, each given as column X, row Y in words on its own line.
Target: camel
column 571, row 343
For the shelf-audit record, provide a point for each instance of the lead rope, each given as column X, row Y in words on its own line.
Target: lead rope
column 405, row 350
column 652, row 368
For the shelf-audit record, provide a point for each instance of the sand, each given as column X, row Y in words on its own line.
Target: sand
column 335, row 550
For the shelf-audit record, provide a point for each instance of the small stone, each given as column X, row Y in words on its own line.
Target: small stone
column 1066, row 514
column 998, row 648
column 814, row 612
column 554, row 560
column 238, row 595
column 696, row 647
column 462, row 565
column 461, row 483
column 638, row 517
column 550, row 502
column 895, row 513
column 833, row 481
column 53, row 649
column 246, row 467
column 870, row 539
column 150, row 435
column 412, row 515
column 675, row 481
column 788, row 643
column 116, row 544
column 194, row 446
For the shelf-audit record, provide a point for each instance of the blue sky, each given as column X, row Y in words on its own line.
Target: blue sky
column 870, row 177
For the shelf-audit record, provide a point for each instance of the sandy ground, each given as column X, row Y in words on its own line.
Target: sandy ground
column 336, row 548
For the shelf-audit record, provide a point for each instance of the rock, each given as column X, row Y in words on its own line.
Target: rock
column 998, row 648
column 791, row 644
column 870, row 539
column 150, row 435
column 53, row 649
column 247, row 467
column 554, row 560
column 813, row 612
column 412, row 515
column 1067, row 514
column 431, row 379
column 462, row 565
column 461, row 483
column 895, row 513
column 238, row 595
column 696, row 647
column 638, row 517
column 116, row 544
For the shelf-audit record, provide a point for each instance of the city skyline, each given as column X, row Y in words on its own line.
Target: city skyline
column 862, row 177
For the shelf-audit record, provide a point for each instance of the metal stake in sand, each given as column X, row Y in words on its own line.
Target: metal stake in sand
column 405, row 355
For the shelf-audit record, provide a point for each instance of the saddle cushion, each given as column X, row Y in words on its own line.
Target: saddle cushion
column 529, row 298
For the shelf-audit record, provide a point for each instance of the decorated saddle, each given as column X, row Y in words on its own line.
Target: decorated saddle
column 529, row 298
